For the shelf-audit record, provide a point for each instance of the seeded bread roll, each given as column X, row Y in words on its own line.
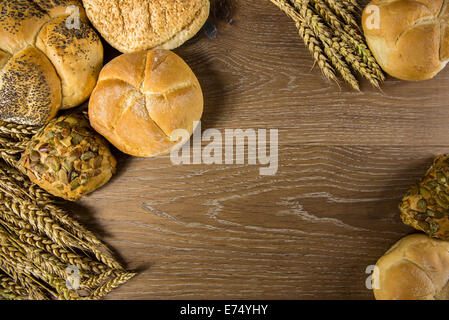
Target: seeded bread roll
column 415, row 268
column 131, row 26
column 409, row 38
column 426, row 205
column 68, row 159
column 50, row 59
column 142, row 98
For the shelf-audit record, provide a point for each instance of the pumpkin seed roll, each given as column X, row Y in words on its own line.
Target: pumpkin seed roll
column 68, row 159
column 426, row 205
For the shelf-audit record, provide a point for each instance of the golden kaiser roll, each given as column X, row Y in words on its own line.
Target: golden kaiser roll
column 415, row 268
column 142, row 98
column 131, row 26
column 409, row 38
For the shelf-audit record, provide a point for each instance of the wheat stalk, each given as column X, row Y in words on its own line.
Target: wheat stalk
column 40, row 220
column 9, row 177
column 61, row 287
column 9, row 295
column 97, row 280
column 8, row 150
column 17, row 131
column 353, row 59
column 328, row 16
column 45, row 260
column 358, row 64
column 52, row 266
column 330, row 31
column 310, row 40
column 313, row 45
column 8, row 284
column 20, row 213
column 38, row 239
column 13, row 147
column 363, row 51
column 22, row 270
column 35, row 265
column 341, row 10
column 32, row 286
column 352, row 6
column 118, row 280
column 67, row 256
column 315, row 23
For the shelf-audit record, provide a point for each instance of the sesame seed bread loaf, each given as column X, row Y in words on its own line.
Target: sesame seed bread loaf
column 50, row 58
column 142, row 99
column 131, row 26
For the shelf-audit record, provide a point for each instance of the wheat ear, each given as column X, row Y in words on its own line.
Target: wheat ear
column 118, row 280
column 10, row 176
column 315, row 23
column 10, row 285
column 309, row 38
column 343, row 12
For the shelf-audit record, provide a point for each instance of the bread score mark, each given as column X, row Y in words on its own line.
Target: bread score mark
column 134, row 95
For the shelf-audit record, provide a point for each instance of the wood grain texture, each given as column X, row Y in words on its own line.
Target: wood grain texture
column 309, row 232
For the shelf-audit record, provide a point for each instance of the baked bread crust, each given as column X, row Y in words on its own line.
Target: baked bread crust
column 46, row 65
column 142, row 98
column 411, row 40
column 68, row 159
column 415, row 268
column 425, row 207
column 131, row 26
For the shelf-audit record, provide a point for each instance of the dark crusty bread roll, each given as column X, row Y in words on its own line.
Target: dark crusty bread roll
column 47, row 63
column 131, row 26
column 415, row 268
column 142, row 98
column 409, row 38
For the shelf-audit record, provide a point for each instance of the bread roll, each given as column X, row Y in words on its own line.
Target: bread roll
column 48, row 61
column 142, row 98
column 425, row 207
column 67, row 158
column 415, row 268
column 409, row 38
column 131, row 26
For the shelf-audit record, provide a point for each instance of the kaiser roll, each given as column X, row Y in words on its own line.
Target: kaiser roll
column 142, row 98
column 131, row 26
column 50, row 58
column 409, row 38
column 415, row 268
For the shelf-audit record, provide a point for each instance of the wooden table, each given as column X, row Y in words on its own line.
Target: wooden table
column 308, row 232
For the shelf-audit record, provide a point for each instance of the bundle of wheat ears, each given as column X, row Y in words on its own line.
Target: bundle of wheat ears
column 330, row 31
column 44, row 253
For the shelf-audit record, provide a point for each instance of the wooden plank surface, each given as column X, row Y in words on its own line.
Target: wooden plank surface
column 310, row 231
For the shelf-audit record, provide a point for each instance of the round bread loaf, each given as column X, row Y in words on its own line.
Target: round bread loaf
column 131, row 26
column 142, row 98
column 67, row 158
column 409, row 38
column 50, row 59
column 415, row 268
